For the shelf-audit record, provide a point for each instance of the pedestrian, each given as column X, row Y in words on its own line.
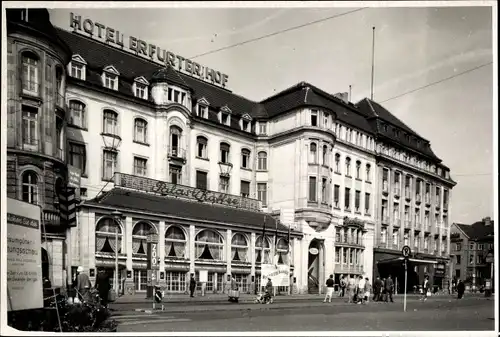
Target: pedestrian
column 329, row 289
column 83, row 284
column 103, row 286
column 269, row 291
column 453, row 285
column 368, row 290
column 377, row 288
column 425, row 288
column 460, row 289
column 389, row 288
column 352, row 290
column 192, row 285
column 361, row 290
column 382, row 290
column 342, row 286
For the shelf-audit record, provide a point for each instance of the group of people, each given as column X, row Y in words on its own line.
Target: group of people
column 81, row 286
column 359, row 289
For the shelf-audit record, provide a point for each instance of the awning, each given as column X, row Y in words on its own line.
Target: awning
column 414, row 261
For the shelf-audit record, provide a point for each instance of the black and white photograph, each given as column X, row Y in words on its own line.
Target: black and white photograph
column 249, row 167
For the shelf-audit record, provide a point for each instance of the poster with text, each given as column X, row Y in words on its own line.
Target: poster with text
column 24, row 262
column 279, row 274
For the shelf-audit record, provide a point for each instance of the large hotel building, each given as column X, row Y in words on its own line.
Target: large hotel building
column 206, row 169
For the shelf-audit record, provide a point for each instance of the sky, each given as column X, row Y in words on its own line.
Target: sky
column 413, row 48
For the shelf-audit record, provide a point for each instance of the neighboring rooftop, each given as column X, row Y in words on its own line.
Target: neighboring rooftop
column 478, row 231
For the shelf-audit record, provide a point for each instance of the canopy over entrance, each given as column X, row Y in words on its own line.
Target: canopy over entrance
column 412, row 260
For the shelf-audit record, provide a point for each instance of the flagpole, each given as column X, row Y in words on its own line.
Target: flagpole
column 373, row 61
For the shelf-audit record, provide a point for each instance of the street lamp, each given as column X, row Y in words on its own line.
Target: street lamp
column 117, row 218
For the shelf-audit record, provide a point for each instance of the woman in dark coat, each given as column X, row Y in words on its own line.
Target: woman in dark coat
column 192, row 286
column 460, row 289
column 103, row 286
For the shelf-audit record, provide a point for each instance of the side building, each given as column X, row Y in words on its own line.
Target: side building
column 472, row 249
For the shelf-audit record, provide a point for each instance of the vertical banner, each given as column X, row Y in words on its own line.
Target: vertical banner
column 24, row 262
column 74, row 180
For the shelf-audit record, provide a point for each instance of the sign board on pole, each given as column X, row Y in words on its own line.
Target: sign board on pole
column 24, row 262
column 279, row 274
column 406, row 251
column 203, row 276
column 74, row 179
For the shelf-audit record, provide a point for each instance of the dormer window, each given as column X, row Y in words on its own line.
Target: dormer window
column 77, row 67
column 225, row 116
column 177, row 96
column 202, row 108
column 262, row 128
column 314, row 117
column 140, row 87
column 110, row 78
column 245, row 123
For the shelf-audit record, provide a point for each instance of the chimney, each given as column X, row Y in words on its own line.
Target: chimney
column 487, row 221
column 344, row 96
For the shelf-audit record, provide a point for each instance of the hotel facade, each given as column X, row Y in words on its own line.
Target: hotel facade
column 205, row 170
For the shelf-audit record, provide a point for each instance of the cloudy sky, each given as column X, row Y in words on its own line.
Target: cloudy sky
column 414, row 47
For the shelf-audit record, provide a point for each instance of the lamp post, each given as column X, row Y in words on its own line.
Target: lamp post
column 117, row 218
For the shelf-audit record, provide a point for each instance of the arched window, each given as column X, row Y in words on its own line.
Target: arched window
column 325, row 155
column 358, row 169
column 201, row 147
column 245, row 158
column 141, row 130
column 77, row 113
column 110, row 122
column 30, row 187
column 175, row 141
column 105, row 236
column 348, row 166
column 224, row 153
column 239, row 248
column 208, row 245
column 337, row 163
column 30, row 73
column 262, row 161
column 282, row 251
column 313, row 153
column 140, row 236
column 175, row 242
column 262, row 250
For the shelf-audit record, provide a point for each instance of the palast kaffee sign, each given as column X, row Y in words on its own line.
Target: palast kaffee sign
column 144, row 49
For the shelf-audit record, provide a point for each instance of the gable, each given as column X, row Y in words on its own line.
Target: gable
column 226, row 109
column 112, row 70
column 78, row 58
column 142, row 80
column 247, row 117
column 203, row 101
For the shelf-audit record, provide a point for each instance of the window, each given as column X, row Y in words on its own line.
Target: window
column 458, row 247
column 109, row 164
column 140, row 166
column 77, row 156
column 30, row 126
column 347, row 200
column 262, row 161
column 459, row 259
column 110, row 122
column 367, row 203
column 358, row 169
column 326, row 120
column 312, row 189
column 337, row 163
column 30, row 187
column 395, row 237
column 368, row 168
column 471, row 246
column 224, row 153
column 225, row 118
column 140, row 234
column 201, row 147
column 336, row 196
column 175, row 242
column 262, row 128
column 141, row 90
column 262, row 250
column 110, row 81
column 208, row 245
column 357, row 201
column 313, row 153
column 140, row 131
column 480, row 246
column 348, row 166
column 471, row 258
column 314, row 117
column 325, row 155
column 30, row 78
column 324, row 190
column 76, row 70
column 105, row 236
column 175, row 173
column 202, row 111
column 201, row 180
column 245, row 158
column 224, row 184
column 175, row 142
column 239, row 248
column 262, row 193
column 245, row 189
column 176, row 281
column 245, row 125
column 77, row 114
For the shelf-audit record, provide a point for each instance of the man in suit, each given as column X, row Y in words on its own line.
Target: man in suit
column 389, row 288
column 377, row 289
column 103, row 286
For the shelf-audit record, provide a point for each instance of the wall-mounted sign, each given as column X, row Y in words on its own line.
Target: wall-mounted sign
column 185, row 192
column 313, row 251
column 141, row 48
column 279, row 275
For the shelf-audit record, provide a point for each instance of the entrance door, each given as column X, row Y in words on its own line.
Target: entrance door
column 314, row 267
column 140, row 280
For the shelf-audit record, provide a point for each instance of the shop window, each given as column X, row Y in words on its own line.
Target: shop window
column 105, row 234
column 282, row 251
column 209, row 245
column 239, row 248
column 175, row 243
column 139, row 237
column 176, row 281
column 262, row 250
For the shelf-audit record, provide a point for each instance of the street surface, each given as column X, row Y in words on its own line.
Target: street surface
column 441, row 314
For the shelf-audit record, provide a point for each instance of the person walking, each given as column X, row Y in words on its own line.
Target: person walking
column 361, row 290
column 425, row 288
column 192, row 285
column 83, row 284
column 352, row 290
column 377, row 288
column 389, row 288
column 342, row 286
column 368, row 290
column 103, row 286
column 329, row 289
column 460, row 289
column 269, row 291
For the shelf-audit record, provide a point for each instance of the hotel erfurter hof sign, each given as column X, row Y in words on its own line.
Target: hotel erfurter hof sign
column 144, row 49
